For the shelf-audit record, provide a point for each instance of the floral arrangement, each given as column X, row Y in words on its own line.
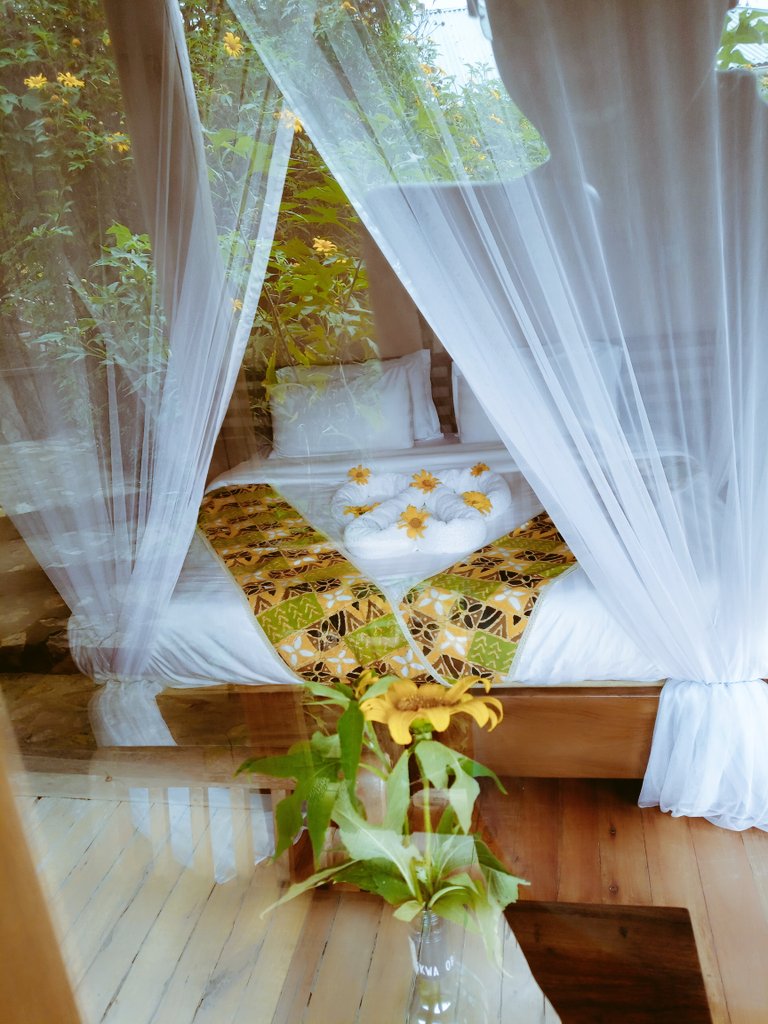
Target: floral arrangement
column 416, row 847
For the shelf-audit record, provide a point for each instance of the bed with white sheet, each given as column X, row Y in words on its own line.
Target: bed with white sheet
column 209, row 634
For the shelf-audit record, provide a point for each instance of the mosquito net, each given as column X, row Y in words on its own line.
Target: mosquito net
column 575, row 202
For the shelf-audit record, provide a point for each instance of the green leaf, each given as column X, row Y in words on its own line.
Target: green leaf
column 407, row 911
column 438, row 761
column 318, row 878
column 350, row 730
column 377, row 876
column 288, row 818
column 479, row 771
column 379, row 687
column 320, row 801
column 398, row 789
column 123, row 236
column 321, row 690
column 371, row 842
column 293, row 765
column 502, row 886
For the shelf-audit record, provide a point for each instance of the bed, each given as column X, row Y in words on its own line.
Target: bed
column 209, row 635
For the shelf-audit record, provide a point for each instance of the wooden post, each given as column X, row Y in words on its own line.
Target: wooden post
column 34, row 987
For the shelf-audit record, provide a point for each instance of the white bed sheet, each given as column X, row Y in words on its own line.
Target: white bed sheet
column 209, row 634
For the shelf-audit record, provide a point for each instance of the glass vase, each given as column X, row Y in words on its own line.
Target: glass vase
column 443, row 990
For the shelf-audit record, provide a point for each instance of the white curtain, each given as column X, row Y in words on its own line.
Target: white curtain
column 596, row 266
column 140, row 192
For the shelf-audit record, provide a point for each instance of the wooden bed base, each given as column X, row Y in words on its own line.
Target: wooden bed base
column 602, row 731
column 590, row 732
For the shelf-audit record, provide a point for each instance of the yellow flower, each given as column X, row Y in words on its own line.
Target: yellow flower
column 35, row 81
column 237, row 304
column 479, row 468
column 347, row 6
column 427, row 69
column 75, row 42
column 413, row 521
column 360, row 510
column 478, row 500
column 424, row 481
column 324, row 246
column 233, row 44
column 359, row 474
column 405, row 703
column 120, row 142
column 290, row 118
column 498, row 120
column 474, row 140
column 496, row 94
column 365, row 680
column 68, row 80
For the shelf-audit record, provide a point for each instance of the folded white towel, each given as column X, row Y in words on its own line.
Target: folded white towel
column 355, row 499
column 444, row 511
column 382, row 532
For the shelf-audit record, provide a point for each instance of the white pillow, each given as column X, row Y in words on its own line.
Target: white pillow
column 471, row 419
column 426, row 423
column 316, row 412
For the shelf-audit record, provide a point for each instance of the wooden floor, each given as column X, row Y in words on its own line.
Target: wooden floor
column 587, row 841
column 575, row 840
column 158, row 898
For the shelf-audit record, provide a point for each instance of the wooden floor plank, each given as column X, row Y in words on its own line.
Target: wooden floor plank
column 390, row 972
column 122, row 943
column 675, row 882
column 756, row 846
column 739, row 928
column 339, row 984
column 187, row 985
column 143, row 988
column 303, row 966
column 241, row 951
column 623, row 859
column 265, row 985
column 580, row 878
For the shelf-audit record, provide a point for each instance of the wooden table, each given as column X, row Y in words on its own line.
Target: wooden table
column 600, row 964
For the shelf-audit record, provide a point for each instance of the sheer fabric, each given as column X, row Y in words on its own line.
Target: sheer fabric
column 584, row 229
column 132, row 268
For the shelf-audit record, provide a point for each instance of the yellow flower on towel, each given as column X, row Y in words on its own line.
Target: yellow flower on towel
column 414, row 521
column 360, row 510
column 359, row 474
column 424, row 481
column 479, row 468
column 405, row 704
column 478, row 500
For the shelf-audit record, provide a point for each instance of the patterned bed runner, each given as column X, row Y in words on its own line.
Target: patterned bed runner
column 328, row 622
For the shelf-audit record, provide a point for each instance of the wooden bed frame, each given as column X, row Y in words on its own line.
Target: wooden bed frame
column 581, row 731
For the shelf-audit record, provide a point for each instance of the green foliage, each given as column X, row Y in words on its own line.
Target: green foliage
column 449, row 870
column 314, row 305
column 745, row 26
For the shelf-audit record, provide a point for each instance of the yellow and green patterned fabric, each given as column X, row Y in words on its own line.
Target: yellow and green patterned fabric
column 328, row 622
column 323, row 617
column 470, row 619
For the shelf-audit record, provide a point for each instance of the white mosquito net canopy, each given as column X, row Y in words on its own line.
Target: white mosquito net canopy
column 140, row 190
column 573, row 197
column 576, row 203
